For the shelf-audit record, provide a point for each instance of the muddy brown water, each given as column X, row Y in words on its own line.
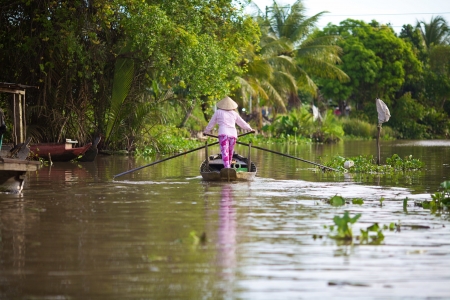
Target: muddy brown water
column 163, row 233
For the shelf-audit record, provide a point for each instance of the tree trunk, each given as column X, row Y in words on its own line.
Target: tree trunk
column 187, row 115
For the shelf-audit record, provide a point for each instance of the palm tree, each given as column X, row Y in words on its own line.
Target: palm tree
column 293, row 54
column 268, row 75
column 437, row 32
column 436, row 37
column 314, row 57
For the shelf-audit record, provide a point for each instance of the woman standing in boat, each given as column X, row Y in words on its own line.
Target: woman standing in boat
column 227, row 118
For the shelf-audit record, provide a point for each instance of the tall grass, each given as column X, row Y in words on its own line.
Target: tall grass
column 359, row 129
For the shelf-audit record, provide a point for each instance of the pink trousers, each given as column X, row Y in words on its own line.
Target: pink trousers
column 227, row 144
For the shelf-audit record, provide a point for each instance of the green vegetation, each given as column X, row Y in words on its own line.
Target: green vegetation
column 126, row 69
column 376, row 238
column 342, row 230
column 439, row 200
column 299, row 123
column 337, row 201
column 108, row 67
column 166, row 140
column 358, row 201
column 366, row 164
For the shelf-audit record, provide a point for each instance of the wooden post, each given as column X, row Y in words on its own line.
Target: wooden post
column 378, row 144
column 24, row 119
column 207, row 157
column 15, row 124
column 18, row 130
column 249, row 161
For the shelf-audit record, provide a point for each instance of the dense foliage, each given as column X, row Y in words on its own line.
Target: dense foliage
column 104, row 67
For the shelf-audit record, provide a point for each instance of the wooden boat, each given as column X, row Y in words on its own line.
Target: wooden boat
column 212, row 169
column 59, row 151
column 91, row 153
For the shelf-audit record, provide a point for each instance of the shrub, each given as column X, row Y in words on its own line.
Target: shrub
column 407, row 118
column 329, row 130
column 358, row 128
column 165, row 139
column 298, row 122
column 438, row 122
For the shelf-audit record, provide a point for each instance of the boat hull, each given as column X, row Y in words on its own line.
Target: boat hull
column 213, row 169
column 91, row 153
column 58, row 152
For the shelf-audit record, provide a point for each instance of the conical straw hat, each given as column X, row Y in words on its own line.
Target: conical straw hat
column 227, row 104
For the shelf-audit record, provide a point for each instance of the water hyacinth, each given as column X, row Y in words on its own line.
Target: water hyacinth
column 366, row 164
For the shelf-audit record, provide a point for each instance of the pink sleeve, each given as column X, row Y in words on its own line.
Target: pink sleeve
column 242, row 123
column 211, row 123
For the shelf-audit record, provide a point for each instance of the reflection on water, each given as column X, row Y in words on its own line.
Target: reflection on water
column 421, row 143
column 75, row 233
column 227, row 229
column 226, row 252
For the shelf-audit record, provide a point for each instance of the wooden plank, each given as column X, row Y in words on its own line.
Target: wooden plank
column 18, row 167
column 12, row 91
column 9, row 164
column 228, row 174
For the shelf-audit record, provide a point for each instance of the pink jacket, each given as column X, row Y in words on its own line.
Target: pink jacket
column 227, row 120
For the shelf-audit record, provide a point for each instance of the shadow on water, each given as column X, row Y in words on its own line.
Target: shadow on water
column 163, row 233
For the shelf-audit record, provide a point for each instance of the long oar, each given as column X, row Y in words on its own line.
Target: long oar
column 290, row 156
column 176, row 155
column 164, row 159
column 215, row 136
column 279, row 153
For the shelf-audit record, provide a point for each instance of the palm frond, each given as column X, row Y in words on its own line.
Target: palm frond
column 436, row 32
column 259, row 68
column 123, row 78
column 282, row 63
column 272, row 94
column 275, row 47
column 305, row 82
column 285, row 82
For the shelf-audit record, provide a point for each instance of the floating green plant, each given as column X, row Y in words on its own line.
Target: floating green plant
column 342, row 230
column 340, row 201
column 367, row 164
column 196, row 239
column 358, row 201
column 439, row 200
column 376, row 238
column 405, row 204
column 337, row 201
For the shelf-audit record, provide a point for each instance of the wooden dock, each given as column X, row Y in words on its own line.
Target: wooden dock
column 13, row 162
column 10, row 164
column 13, row 173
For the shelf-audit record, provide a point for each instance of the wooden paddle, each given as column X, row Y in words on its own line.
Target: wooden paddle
column 279, row 153
column 290, row 156
column 164, row 159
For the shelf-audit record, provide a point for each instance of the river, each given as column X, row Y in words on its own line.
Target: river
column 162, row 233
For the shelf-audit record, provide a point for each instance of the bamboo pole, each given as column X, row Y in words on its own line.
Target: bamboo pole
column 378, row 144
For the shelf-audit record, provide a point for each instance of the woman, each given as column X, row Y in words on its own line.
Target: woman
column 227, row 118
